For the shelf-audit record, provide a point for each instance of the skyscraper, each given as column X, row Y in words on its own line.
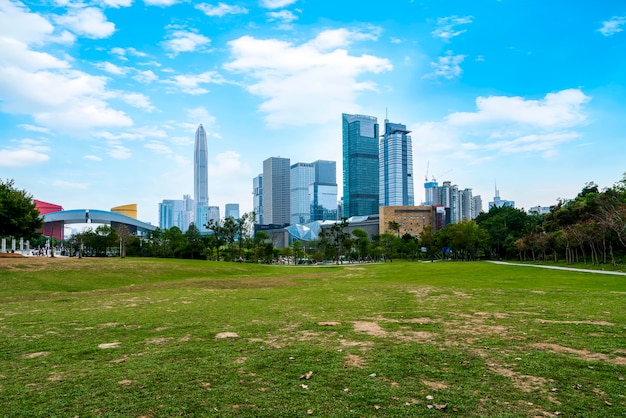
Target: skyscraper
column 302, row 175
column 257, row 200
column 323, row 191
column 201, row 180
column 232, row 210
column 360, row 165
column 276, row 190
column 200, row 168
column 395, row 154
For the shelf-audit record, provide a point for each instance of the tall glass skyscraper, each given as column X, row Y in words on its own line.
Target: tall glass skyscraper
column 201, row 180
column 323, row 191
column 360, row 165
column 302, row 175
column 276, row 190
column 200, row 167
column 395, row 155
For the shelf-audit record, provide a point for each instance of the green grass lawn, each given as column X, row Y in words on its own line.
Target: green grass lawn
column 160, row 338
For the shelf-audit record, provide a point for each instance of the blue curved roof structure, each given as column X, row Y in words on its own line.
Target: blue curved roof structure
column 81, row 216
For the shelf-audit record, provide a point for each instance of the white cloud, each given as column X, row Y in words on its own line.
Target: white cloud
column 200, row 115
column 28, row 152
column 447, row 66
column 185, row 41
column 191, row 83
column 119, row 152
column 161, row 3
column 145, row 76
column 89, row 22
column 92, row 157
column 116, row 3
column 613, row 25
column 133, row 135
column 276, row 4
column 447, row 27
column 159, row 148
column 112, row 68
column 21, row 158
column 67, row 100
column 18, row 23
column 34, row 128
column 283, row 16
column 14, row 53
column 308, row 83
column 123, row 52
column 560, row 109
column 221, row 9
column 506, row 125
column 139, row 101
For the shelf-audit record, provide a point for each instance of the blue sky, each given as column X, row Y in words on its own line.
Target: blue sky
column 99, row 100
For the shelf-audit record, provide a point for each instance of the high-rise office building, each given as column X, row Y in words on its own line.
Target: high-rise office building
column 477, row 206
column 232, row 210
column 171, row 214
column 302, row 175
column 276, row 190
column 257, row 198
column 323, row 192
column 360, row 165
column 200, row 167
column 395, row 154
column 201, row 180
column 177, row 213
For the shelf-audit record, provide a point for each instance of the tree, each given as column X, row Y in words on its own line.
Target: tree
column 394, row 226
column 362, row 243
column 194, row 247
column 505, row 225
column 125, row 237
column 19, row 217
column 230, row 228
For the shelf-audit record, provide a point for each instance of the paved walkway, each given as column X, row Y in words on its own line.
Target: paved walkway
column 615, row 273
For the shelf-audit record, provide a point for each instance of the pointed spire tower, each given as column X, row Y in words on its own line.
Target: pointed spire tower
column 200, row 168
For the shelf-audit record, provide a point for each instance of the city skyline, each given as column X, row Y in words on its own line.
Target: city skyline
column 98, row 111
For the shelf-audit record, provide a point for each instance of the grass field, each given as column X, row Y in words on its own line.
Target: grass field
column 160, row 338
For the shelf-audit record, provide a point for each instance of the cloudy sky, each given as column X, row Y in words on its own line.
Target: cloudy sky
column 100, row 99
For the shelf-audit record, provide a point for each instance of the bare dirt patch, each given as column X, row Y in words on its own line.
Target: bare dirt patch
column 353, row 360
column 35, row 355
column 370, row 328
column 125, row 382
column 524, row 382
column 434, row 385
column 583, row 354
column 549, row 321
column 223, row 335
column 55, row 377
column 157, row 341
column 109, row 345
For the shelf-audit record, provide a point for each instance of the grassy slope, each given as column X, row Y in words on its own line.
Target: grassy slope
column 481, row 339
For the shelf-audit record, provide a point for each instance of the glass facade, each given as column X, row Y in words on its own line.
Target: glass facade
column 360, row 165
column 232, row 210
column 302, row 175
column 276, row 191
column 396, row 166
column 200, row 167
column 257, row 199
column 323, row 202
column 323, row 193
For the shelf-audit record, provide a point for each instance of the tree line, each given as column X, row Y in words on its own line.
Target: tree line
column 591, row 228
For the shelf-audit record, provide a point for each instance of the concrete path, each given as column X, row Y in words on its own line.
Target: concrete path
column 615, row 273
